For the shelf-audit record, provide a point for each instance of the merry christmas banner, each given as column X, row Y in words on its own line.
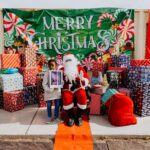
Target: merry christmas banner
column 87, row 33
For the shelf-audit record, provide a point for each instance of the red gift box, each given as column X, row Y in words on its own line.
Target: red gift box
column 41, row 101
column 13, row 101
column 10, row 61
column 140, row 62
column 29, row 75
column 95, row 104
column 97, row 89
column 1, row 100
column 28, row 57
column 117, row 68
column 97, row 67
column 42, row 104
column 39, row 85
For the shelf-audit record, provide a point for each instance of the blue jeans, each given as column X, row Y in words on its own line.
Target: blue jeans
column 56, row 109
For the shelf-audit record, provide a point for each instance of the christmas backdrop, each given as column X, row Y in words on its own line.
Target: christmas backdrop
column 87, row 33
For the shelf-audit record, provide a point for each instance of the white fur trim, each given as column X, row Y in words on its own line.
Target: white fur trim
column 82, row 106
column 68, row 106
column 70, row 56
column 86, row 82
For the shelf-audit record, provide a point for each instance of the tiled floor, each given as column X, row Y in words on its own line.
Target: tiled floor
column 31, row 121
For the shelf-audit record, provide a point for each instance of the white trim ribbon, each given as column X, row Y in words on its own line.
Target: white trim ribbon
column 68, row 106
column 82, row 106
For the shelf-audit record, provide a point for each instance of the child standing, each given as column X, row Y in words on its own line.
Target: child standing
column 51, row 93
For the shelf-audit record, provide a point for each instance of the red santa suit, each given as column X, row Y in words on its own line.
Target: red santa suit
column 75, row 88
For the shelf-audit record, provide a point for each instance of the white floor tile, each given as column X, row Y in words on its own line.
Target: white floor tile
column 16, row 123
column 101, row 126
column 19, row 123
column 39, row 126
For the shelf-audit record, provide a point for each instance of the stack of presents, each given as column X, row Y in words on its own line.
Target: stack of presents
column 96, row 89
column 23, row 87
column 130, row 77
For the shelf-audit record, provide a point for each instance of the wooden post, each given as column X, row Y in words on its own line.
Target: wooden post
column 1, row 33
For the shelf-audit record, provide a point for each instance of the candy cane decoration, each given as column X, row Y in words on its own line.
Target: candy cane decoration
column 99, row 52
column 106, row 15
column 29, row 31
column 13, row 24
column 126, row 29
column 26, row 38
column 118, row 11
column 93, row 54
column 8, row 39
column 110, row 35
column 59, row 60
column 119, row 43
column 88, row 62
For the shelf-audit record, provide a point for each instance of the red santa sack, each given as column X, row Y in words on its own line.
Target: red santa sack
column 120, row 110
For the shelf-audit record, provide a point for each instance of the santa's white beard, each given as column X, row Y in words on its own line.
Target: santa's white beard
column 71, row 70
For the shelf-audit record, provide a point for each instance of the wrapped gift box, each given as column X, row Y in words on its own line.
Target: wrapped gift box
column 121, row 60
column 40, row 75
column 29, row 75
column 30, row 95
column 118, row 68
column 97, row 89
column 139, row 73
column 97, row 67
column 39, row 85
column 113, row 79
column 123, row 71
column 114, row 60
column 116, row 78
column 40, row 92
column 11, row 82
column 140, row 62
column 10, row 61
column 41, row 101
column 95, row 104
column 1, row 99
column 132, row 74
column 141, row 98
column 13, row 101
column 28, row 58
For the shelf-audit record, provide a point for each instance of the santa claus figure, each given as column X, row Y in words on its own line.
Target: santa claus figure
column 75, row 81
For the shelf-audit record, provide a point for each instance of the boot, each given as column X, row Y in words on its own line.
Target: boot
column 78, row 119
column 71, row 117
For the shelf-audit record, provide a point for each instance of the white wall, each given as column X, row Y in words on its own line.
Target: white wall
column 141, row 18
column 75, row 4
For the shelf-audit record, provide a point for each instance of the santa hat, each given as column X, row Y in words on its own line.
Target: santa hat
column 68, row 56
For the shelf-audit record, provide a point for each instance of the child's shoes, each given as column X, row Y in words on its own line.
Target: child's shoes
column 50, row 121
